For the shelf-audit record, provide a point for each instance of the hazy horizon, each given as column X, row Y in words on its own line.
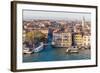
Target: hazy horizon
column 54, row 15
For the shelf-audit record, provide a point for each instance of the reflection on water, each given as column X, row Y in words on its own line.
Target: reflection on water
column 56, row 54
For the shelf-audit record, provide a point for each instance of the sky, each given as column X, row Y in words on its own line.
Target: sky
column 31, row 14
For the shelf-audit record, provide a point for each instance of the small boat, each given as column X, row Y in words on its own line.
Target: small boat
column 26, row 51
column 39, row 48
column 72, row 50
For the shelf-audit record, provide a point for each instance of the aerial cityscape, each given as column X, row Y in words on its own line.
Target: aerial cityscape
column 56, row 39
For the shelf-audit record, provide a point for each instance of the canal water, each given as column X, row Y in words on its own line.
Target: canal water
column 56, row 54
column 49, row 53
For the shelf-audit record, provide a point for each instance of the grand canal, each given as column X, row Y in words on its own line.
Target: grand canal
column 56, row 54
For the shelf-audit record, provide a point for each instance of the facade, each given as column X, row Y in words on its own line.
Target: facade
column 86, row 41
column 78, row 39
column 82, row 40
column 44, row 31
column 29, row 36
column 62, row 39
column 24, row 35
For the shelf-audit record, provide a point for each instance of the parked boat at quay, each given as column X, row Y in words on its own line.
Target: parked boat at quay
column 26, row 51
column 37, row 49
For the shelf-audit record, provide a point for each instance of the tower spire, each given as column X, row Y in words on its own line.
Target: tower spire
column 83, row 21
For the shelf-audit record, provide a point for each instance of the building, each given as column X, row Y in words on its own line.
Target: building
column 24, row 35
column 44, row 31
column 78, row 39
column 86, row 41
column 29, row 36
column 87, row 31
column 62, row 39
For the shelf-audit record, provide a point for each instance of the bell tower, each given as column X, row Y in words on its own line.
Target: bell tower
column 83, row 21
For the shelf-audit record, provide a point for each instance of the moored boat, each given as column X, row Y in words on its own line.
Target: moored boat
column 26, row 51
column 39, row 48
column 72, row 50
